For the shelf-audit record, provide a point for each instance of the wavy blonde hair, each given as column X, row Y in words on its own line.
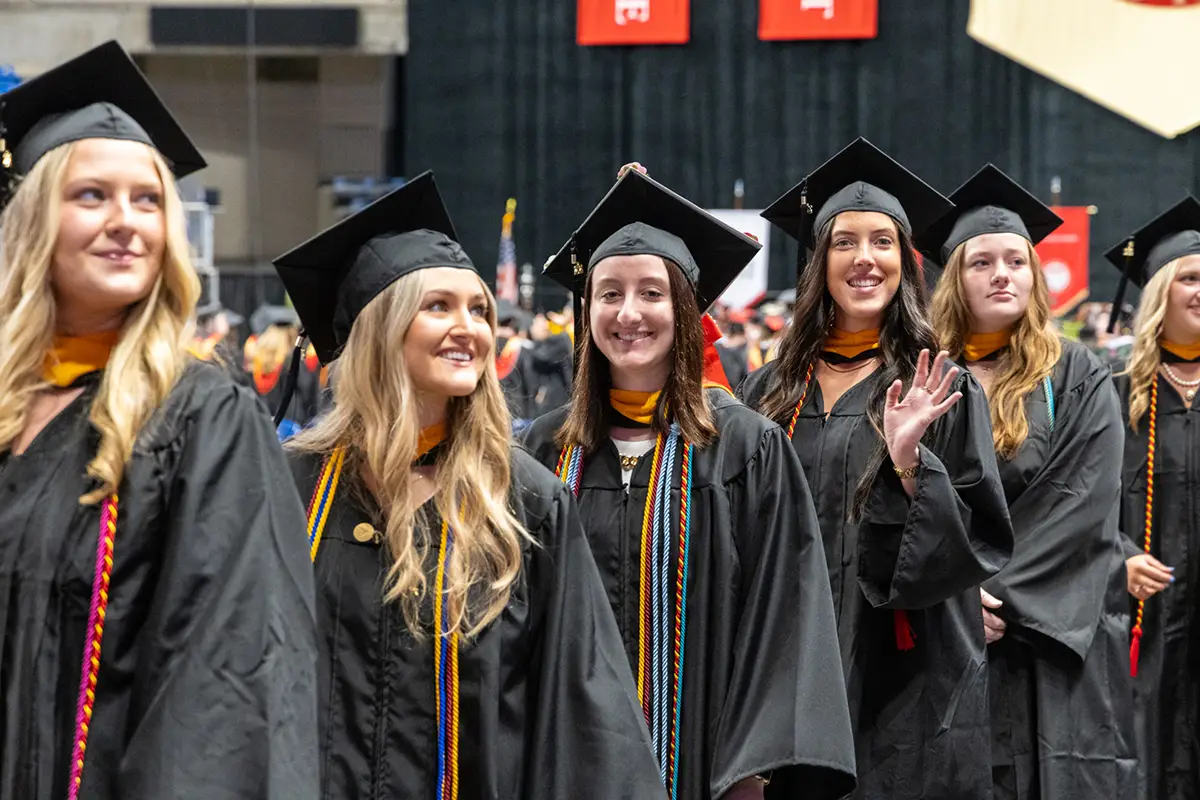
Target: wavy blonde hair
column 152, row 351
column 1034, row 351
column 375, row 418
column 1144, row 358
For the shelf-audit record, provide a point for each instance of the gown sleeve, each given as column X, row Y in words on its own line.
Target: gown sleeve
column 590, row 738
column 1066, row 522
column 785, row 713
column 225, row 707
column 955, row 531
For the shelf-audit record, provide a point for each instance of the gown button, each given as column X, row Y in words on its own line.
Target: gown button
column 364, row 532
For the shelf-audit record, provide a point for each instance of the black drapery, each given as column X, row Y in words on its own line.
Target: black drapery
column 501, row 102
column 245, row 289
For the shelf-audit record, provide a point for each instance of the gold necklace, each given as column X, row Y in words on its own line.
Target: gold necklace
column 629, row 463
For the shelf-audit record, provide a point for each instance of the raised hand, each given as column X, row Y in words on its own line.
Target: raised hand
column 929, row 397
column 631, row 165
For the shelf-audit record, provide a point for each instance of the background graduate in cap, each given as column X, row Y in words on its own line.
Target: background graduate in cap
column 697, row 512
column 1056, row 616
column 158, row 624
column 461, row 614
column 899, row 456
column 286, row 377
column 1161, row 481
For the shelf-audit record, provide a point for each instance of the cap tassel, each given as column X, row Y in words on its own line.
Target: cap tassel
column 1135, row 650
column 1115, row 314
column 289, row 385
column 906, row 639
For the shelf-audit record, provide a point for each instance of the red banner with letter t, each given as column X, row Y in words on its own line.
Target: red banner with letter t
column 818, row 19
column 602, row 22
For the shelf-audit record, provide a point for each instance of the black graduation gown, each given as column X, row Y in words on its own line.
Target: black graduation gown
column 548, row 708
column 761, row 677
column 1061, row 697
column 520, row 384
column 207, row 683
column 920, row 716
column 552, row 362
column 1167, row 687
column 733, row 361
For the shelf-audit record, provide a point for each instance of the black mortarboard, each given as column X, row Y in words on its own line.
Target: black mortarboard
column 207, row 311
column 989, row 202
column 267, row 315
column 1173, row 234
column 333, row 276
column 640, row 216
column 859, row 178
column 99, row 95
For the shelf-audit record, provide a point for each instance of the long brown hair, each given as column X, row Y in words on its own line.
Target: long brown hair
column 375, row 418
column 905, row 331
column 682, row 397
column 1034, row 351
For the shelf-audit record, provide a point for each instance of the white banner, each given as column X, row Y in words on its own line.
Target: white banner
column 751, row 284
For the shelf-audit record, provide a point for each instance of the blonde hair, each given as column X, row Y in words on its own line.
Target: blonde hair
column 375, row 418
column 1034, row 351
column 1144, row 358
column 152, row 351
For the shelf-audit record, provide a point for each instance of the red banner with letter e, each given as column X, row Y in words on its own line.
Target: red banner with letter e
column 1064, row 257
column 602, row 22
column 818, row 19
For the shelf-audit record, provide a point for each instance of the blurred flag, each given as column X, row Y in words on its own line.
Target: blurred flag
column 507, row 283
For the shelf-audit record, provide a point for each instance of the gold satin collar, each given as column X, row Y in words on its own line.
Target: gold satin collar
column 72, row 357
column 430, row 438
column 849, row 345
column 982, row 345
column 1188, row 352
column 637, row 406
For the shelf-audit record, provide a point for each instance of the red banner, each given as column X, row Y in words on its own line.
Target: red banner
column 817, row 19
column 1064, row 257
column 602, row 22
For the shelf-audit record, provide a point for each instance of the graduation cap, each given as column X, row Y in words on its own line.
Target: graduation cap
column 267, row 315
column 859, row 178
column 989, row 202
column 1173, row 234
column 99, row 95
column 209, row 310
column 640, row 216
column 333, row 276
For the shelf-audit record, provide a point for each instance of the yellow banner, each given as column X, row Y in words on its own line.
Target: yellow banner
column 1137, row 59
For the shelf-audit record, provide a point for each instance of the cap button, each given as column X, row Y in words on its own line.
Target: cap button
column 364, row 532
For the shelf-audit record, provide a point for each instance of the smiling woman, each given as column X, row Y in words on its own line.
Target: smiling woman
column 129, row 470
column 697, row 512
column 459, row 605
column 1161, row 479
column 906, row 488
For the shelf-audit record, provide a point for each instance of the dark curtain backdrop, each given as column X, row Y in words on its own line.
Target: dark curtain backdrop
column 502, row 102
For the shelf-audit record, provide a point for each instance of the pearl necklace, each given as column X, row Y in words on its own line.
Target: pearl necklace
column 1190, row 386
